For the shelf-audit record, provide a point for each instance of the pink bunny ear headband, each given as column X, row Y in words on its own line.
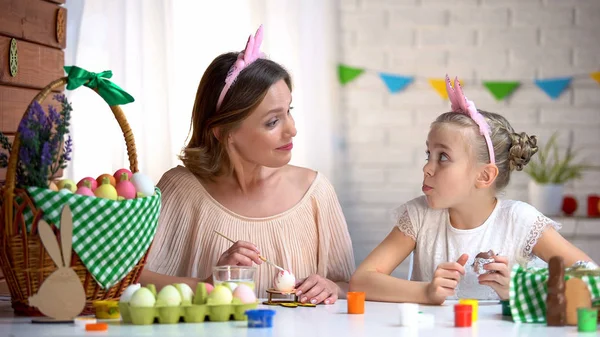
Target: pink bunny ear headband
column 461, row 104
column 245, row 58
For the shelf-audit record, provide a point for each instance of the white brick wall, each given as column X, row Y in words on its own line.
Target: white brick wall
column 383, row 146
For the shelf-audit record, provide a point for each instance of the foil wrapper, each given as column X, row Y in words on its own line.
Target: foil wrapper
column 579, row 265
column 583, row 268
column 478, row 266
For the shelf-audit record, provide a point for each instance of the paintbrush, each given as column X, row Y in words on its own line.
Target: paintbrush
column 259, row 256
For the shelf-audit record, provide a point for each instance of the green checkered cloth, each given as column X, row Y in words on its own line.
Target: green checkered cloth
column 110, row 237
column 528, row 291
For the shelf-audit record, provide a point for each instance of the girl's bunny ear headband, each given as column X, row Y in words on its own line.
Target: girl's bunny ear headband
column 250, row 54
column 461, row 104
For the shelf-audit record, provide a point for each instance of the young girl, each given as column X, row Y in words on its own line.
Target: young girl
column 470, row 155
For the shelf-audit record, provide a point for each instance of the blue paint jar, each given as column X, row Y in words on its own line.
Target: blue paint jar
column 260, row 318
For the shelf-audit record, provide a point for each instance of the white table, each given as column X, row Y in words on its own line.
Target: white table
column 380, row 319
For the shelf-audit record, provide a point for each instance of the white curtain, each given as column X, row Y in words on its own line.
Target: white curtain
column 158, row 51
column 302, row 35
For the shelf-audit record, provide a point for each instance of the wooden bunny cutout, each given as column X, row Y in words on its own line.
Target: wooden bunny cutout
column 61, row 296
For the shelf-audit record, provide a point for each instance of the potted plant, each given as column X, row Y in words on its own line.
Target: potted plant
column 549, row 172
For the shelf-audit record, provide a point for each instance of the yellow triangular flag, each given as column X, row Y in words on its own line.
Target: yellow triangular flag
column 596, row 76
column 439, row 84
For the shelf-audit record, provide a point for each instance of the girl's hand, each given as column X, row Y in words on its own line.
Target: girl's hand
column 500, row 279
column 242, row 253
column 317, row 289
column 445, row 280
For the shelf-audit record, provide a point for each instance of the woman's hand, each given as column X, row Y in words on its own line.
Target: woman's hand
column 445, row 280
column 500, row 279
column 242, row 253
column 317, row 289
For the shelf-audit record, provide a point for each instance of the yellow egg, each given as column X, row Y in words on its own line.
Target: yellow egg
column 67, row 184
column 106, row 190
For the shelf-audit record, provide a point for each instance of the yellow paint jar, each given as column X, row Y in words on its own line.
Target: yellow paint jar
column 474, row 304
column 107, row 309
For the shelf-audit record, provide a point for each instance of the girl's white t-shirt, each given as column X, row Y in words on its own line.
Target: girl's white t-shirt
column 511, row 230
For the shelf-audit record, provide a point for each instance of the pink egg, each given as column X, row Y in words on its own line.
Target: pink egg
column 83, row 190
column 244, row 294
column 209, row 287
column 126, row 189
column 120, row 172
column 92, row 181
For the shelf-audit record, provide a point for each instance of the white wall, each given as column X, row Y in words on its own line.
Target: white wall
column 383, row 149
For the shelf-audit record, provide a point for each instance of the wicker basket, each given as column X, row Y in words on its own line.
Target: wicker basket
column 23, row 258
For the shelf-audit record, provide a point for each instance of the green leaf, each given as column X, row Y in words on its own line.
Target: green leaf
column 549, row 167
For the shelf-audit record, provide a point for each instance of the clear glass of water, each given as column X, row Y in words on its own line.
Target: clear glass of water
column 234, row 275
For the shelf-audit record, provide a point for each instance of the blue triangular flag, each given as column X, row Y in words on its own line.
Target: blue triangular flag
column 553, row 87
column 396, row 83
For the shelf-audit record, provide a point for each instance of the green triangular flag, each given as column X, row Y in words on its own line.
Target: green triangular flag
column 501, row 89
column 348, row 74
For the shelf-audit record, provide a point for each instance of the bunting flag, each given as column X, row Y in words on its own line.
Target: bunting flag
column 396, row 83
column 439, row 84
column 348, row 74
column 555, row 86
column 500, row 90
column 596, row 76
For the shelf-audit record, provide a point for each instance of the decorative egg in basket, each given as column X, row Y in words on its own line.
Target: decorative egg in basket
column 122, row 185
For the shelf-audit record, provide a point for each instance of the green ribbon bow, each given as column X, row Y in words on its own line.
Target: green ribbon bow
column 110, row 92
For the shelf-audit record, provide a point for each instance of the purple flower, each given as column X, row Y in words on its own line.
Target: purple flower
column 68, row 149
column 23, row 129
column 46, row 157
column 25, row 132
column 60, row 98
column 42, row 135
column 39, row 113
column 24, row 155
column 53, row 115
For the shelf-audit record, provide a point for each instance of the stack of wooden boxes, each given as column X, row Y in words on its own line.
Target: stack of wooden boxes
column 32, row 39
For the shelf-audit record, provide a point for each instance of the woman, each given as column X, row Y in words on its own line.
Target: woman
column 236, row 180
